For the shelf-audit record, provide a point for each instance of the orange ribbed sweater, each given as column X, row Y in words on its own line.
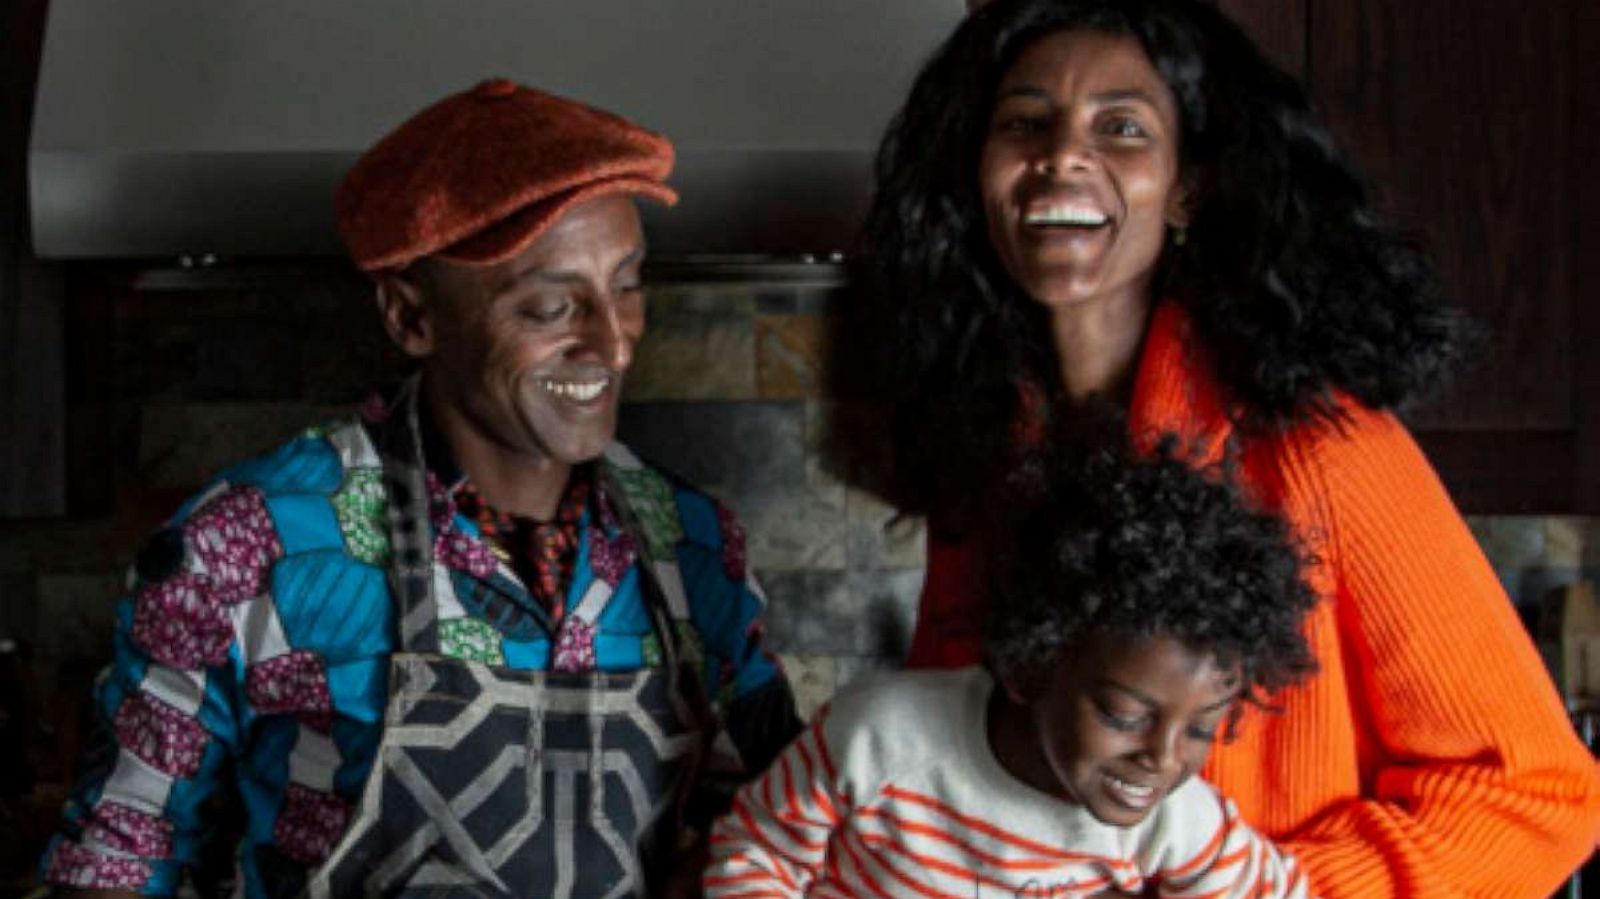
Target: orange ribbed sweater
column 1430, row 756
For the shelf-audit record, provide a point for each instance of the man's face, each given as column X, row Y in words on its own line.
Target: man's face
column 530, row 352
column 1122, row 726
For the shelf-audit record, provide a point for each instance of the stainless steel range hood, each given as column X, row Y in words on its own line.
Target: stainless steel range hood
column 167, row 128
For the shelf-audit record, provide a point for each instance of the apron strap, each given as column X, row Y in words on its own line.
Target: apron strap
column 635, row 491
column 410, row 531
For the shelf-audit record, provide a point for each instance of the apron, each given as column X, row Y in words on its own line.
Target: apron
column 498, row 782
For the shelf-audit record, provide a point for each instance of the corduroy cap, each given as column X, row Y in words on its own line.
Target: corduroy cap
column 477, row 176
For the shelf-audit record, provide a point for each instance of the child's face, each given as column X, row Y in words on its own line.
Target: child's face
column 1122, row 725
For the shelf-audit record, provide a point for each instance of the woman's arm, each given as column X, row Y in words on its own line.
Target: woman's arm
column 774, row 841
column 1477, row 785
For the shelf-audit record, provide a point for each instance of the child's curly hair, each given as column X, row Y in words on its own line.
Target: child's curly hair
column 1115, row 546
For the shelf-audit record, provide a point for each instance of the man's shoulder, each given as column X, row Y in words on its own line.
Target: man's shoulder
column 325, row 475
column 665, row 501
column 318, row 460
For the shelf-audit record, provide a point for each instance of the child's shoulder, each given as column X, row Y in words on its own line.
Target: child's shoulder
column 919, row 693
column 903, row 717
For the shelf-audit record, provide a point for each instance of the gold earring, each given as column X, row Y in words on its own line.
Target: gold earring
column 1180, row 236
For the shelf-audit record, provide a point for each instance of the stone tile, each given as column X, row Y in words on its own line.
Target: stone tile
column 804, row 613
column 866, row 614
column 885, row 610
column 1534, row 586
column 788, row 356
column 1591, row 541
column 879, row 537
column 1563, row 541
column 812, row 679
column 778, row 301
column 789, row 528
column 695, row 347
column 1510, row 541
column 849, row 669
column 733, row 445
column 820, row 470
column 715, row 299
column 818, row 301
column 182, row 445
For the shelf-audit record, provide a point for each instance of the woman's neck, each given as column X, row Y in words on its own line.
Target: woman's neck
column 1097, row 343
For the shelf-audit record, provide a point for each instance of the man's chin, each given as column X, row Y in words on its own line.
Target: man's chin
column 571, row 443
column 580, row 452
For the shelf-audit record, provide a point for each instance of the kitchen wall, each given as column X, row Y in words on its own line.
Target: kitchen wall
column 176, row 373
column 724, row 390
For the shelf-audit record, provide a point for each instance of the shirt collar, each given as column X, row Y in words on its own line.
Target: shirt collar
column 1175, row 389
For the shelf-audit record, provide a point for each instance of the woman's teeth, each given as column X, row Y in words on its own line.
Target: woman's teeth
column 1073, row 216
column 581, row 391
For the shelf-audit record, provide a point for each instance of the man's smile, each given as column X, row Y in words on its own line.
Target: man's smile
column 581, row 390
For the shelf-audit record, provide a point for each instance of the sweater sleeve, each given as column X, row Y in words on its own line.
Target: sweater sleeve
column 1476, row 784
column 774, row 841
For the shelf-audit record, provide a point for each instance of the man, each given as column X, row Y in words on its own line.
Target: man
column 468, row 642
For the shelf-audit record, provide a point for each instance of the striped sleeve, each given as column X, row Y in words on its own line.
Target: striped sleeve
column 1204, row 850
column 774, row 841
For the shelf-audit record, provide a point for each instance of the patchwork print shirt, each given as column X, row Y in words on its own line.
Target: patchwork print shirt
column 251, row 654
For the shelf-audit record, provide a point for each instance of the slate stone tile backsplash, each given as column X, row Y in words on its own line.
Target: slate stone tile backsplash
column 724, row 391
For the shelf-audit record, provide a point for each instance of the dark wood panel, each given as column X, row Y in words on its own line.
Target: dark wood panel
column 90, row 384
column 1279, row 26
column 1508, row 472
column 1584, row 111
column 31, row 407
column 1463, row 115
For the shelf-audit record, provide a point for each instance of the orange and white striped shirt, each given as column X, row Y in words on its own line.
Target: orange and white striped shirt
column 894, row 792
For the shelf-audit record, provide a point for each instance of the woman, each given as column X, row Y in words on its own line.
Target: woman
column 1093, row 199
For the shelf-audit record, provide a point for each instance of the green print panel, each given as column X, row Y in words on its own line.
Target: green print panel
column 472, row 640
column 360, row 507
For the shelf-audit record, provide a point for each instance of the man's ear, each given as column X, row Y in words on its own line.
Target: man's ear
column 403, row 304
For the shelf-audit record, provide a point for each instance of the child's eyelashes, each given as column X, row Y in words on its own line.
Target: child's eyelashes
column 1134, row 723
column 1118, row 722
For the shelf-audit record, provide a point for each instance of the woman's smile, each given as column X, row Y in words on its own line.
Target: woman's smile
column 1079, row 170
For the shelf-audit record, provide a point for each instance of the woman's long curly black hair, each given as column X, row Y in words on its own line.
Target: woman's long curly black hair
column 1119, row 547
column 1293, row 284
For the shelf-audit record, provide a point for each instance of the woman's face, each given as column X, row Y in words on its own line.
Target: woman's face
column 1080, row 169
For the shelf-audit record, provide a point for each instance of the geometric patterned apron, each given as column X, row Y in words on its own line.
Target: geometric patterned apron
column 503, row 782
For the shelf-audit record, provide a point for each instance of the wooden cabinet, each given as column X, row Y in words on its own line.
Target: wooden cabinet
column 1479, row 125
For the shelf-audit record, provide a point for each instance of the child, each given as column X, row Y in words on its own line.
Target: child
column 1137, row 606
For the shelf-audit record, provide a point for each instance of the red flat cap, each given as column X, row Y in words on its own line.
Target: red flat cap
column 479, row 175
